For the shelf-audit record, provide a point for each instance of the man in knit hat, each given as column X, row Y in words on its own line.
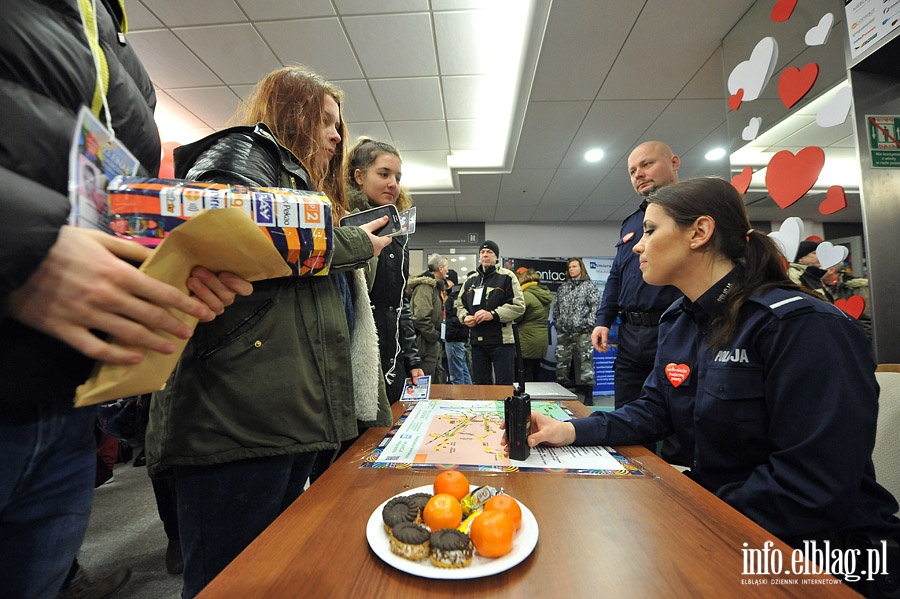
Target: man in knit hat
column 488, row 304
column 807, row 271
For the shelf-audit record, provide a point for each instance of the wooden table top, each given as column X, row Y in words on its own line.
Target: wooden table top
column 659, row 535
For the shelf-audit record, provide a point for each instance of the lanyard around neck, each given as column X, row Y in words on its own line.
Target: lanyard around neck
column 88, row 11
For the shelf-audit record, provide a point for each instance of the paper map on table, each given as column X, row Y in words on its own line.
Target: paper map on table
column 463, row 434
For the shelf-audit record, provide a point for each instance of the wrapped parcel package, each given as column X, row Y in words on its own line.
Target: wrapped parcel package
column 299, row 223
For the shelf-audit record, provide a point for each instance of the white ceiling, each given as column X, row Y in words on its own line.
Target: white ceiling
column 608, row 73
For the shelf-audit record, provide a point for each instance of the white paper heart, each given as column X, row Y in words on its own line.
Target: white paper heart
column 752, row 129
column 818, row 35
column 788, row 237
column 831, row 255
column 837, row 110
column 753, row 74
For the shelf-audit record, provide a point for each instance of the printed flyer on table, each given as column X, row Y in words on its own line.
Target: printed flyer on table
column 466, row 434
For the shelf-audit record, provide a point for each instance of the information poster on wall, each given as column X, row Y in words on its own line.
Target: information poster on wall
column 869, row 22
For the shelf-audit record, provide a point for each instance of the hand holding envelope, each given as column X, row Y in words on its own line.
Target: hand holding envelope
column 219, row 240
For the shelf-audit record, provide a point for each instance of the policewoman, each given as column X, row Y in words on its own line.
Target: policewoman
column 771, row 390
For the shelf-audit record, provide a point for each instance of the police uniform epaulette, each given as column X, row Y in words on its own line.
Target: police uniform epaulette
column 785, row 302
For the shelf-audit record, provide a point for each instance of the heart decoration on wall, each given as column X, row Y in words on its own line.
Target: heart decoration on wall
column 818, row 35
column 831, row 255
column 789, row 177
column 752, row 129
column 782, row 10
column 837, row 110
column 741, row 181
column 734, row 101
column 788, row 237
column 794, row 83
column 752, row 75
column 835, row 200
column 854, row 305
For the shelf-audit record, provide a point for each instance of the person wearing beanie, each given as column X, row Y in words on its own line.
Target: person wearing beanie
column 804, row 250
column 807, row 271
column 491, row 245
column 488, row 304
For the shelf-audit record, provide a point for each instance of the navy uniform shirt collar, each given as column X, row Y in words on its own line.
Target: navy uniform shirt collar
column 713, row 299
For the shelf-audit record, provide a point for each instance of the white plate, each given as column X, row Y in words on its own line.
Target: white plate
column 523, row 544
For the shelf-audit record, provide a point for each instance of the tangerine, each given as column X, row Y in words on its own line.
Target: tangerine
column 505, row 503
column 442, row 511
column 492, row 533
column 453, row 482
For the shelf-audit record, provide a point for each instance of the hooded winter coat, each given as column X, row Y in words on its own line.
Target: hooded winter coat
column 427, row 305
column 270, row 376
column 533, row 332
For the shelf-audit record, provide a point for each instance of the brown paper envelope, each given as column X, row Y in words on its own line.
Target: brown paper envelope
column 221, row 240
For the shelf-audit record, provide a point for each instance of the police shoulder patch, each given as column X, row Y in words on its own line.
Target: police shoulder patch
column 785, row 302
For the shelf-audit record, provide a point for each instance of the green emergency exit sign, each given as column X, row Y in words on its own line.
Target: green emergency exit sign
column 884, row 140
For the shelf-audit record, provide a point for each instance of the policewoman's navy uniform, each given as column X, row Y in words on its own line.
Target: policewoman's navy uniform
column 780, row 422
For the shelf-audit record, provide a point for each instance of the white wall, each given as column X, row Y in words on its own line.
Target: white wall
column 562, row 240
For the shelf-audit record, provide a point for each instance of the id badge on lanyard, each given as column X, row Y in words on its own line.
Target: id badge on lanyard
column 95, row 158
column 479, row 296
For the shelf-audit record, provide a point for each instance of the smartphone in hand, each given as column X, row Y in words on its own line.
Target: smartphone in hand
column 392, row 227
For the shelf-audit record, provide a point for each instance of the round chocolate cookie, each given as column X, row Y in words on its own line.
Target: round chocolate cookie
column 451, row 548
column 419, row 500
column 409, row 541
column 397, row 510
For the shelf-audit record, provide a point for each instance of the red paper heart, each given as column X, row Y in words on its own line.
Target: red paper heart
column 734, row 101
column 794, row 83
column 782, row 10
column 677, row 373
column 853, row 305
column 789, row 177
column 741, row 181
column 835, row 200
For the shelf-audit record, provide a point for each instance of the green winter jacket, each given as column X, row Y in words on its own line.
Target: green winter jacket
column 427, row 306
column 533, row 323
column 272, row 375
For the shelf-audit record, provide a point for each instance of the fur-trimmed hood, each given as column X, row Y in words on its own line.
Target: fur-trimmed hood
column 357, row 199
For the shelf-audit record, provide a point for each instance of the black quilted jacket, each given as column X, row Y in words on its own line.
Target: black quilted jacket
column 46, row 74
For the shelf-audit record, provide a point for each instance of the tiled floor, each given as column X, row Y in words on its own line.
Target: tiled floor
column 125, row 531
